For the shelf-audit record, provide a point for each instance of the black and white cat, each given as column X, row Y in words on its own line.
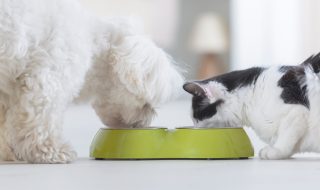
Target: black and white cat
column 281, row 104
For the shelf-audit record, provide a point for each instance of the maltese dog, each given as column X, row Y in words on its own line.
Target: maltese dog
column 53, row 53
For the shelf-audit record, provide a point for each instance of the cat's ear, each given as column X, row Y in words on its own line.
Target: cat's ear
column 195, row 89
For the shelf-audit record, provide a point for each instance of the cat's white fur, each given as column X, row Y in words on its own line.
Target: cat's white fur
column 52, row 51
column 286, row 128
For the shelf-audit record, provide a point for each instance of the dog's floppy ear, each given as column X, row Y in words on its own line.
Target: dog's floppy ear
column 195, row 89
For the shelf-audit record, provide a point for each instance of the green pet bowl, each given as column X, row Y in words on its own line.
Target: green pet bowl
column 180, row 143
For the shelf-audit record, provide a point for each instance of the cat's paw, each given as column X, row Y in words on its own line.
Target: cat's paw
column 271, row 153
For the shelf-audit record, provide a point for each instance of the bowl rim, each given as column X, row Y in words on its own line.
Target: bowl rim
column 142, row 128
column 175, row 128
column 206, row 128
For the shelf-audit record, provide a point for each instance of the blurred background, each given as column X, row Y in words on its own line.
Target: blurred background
column 206, row 38
column 231, row 34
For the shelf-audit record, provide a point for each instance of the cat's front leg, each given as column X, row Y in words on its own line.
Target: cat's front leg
column 290, row 131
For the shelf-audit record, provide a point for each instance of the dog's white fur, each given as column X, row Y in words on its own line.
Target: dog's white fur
column 286, row 128
column 52, row 51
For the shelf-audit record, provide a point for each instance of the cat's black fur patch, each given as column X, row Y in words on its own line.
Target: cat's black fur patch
column 291, row 82
column 314, row 62
column 200, row 111
column 285, row 68
column 237, row 79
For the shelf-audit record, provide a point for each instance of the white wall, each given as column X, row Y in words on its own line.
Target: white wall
column 159, row 17
column 269, row 32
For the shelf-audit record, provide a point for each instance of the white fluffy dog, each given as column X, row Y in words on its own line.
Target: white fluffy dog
column 53, row 52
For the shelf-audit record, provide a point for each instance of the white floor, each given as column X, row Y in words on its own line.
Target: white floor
column 80, row 126
column 164, row 175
